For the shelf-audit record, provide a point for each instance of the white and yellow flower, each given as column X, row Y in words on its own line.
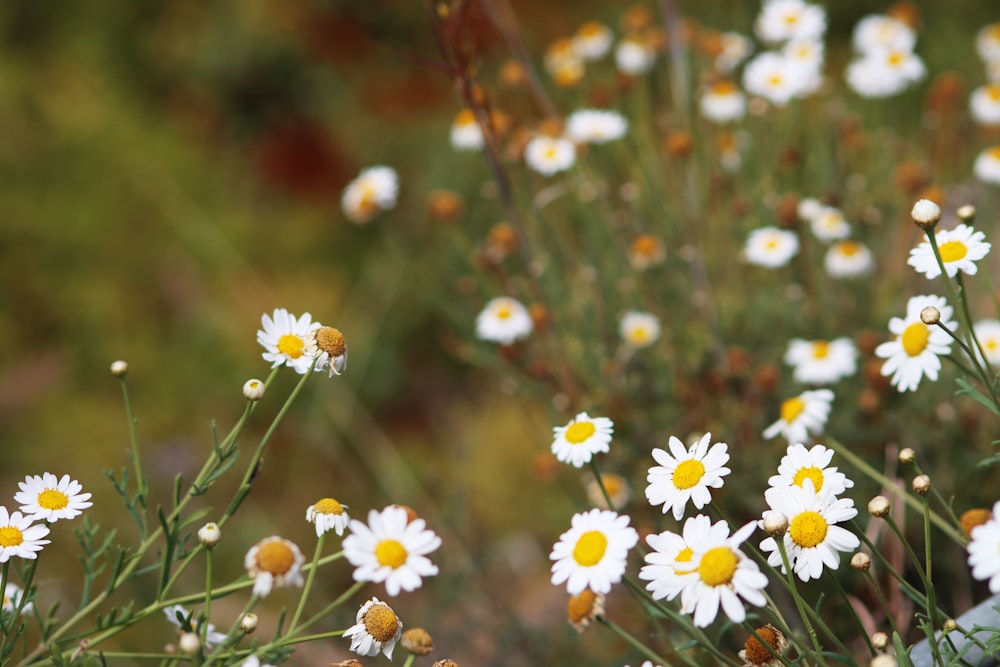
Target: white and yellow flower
column 774, row 77
column 885, row 72
column 549, row 155
column 821, row 361
column 799, row 464
column 639, row 329
column 391, row 549
column 723, row 102
column 595, row 126
column 802, row 416
column 578, row 441
column 848, row 259
column 880, row 31
column 984, row 104
column 782, row 20
column 771, row 247
column 829, row 224
column 686, row 474
column 186, row 622
column 503, row 320
column 988, row 334
column 376, row 629
column 272, row 563
column 46, row 498
column 983, row 550
column 988, row 42
column 634, row 56
column 592, row 553
column 19, row 538
column 285, row 337
column 465, row 133
column 960, row 249
column 668, row 566
column 592, row 40
column 12, row 595
column 916, row 347
column 987, row 165
column 375, row 189
column 328, row 514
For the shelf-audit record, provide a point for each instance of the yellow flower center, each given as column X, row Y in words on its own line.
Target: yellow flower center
column 915, row 338
column 275, row 556
column 684, row 556
column 952, row 251
column 580, row 605
column 688, row 473
column 724, row 88
column 503, row 312
column 849, row 248
column 579, row 432
column 328, row 506
column 896, row 58
column 821, row 349
column 791, row 409
column 791, row 19
column 590, row 548
column 380, row 622
column 10, row 536
column 591, row 29
column 993, row 90
column 391, row 553
column 550, row 153
column 291, row 346
column 612, row 484
column 718, row 566
column 52, row 499
column 991, row 344
column 465, row 117
column 813, row 473
column 775, row 80
column 808, row 529
column 994, row 152
column 639, row 334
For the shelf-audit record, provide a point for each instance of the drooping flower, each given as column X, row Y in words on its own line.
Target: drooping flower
column 916, row 347
column 960, row 249
column 686, row 474
column 272, row 563
column 284, row 338
column 465, row 133
column 723, row 103
column 392, row 549
column 328, row 514
column 377, row 628
column 44, row 497
column 12, row 598
column 592, row 553
column 802, row 416
column 375, row 189
column 503, row 320
column 592, row 41
column 328, row 348
column 19, row 538
column 799, row 464
column 821, row 361
column 578, row 441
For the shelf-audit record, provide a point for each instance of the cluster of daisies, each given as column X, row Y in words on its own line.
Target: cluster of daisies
column 984, row 102
column 884, row 63
column 301, row 344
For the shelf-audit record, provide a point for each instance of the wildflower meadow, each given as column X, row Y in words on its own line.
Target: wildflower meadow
column 484, row 333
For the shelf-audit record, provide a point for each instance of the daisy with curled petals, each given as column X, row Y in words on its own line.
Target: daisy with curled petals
column 983, row 550
column 578, row 441
column 799, row 464
column 771, row 247
column 813, row 539
column 272, row 563
column 285, row 338
column 18, row 537
column 186, row 622
column 377, row 629
column 328, row 514
column 375, row 189
column 802, row 416
column 668, row 567
column 960, row 249
column 822, row 361
column 724, row 575
column 392, row 549
column 914, row 351
column 503, row 320
column 686, row 474
column 46, row 497
column 592, row 553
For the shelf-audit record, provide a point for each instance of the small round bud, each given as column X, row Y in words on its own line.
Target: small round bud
column 775, row 523
column 253, row 390
column 950, row 625
column 907, row 455
column 417, row 641
column 248, row 623
column 921, row 484
column 880, row 640
column 930, row 315
column 209, row 534
column 967, row 213
column 119, row 368
column 861, row 561
column 879, row 506
column 884, row 660
column 926, row 213
column 189, row 643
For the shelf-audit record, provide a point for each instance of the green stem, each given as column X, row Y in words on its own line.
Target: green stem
column 931, row 593
column 140, row 480
column 635, row 643
column 208, row 595
column 886, row 609
column 346, row 595
column 799, row 602
column 309, row 583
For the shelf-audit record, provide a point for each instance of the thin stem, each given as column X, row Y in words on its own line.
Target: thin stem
column 931, row 593
column 309, row 582
column 886, row 609
column 208, row 594
column 635, row 643
column 854, row 615
column 323, row 613
column 140, row 480
column 799, row 602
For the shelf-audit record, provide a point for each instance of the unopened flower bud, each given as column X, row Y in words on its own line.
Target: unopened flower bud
column 967, row 213
column 921, row 484
column 248, row 623
column 926, row 214
column 253, row 390
column 879, row 506
column 884, row 660
column 775, row 523
column 950, row 625
column 119, row 368
column 209, row 534
column 861, row 561
column 189, row 643
column 880, row 640
column 930, row 315
column 906, row 455
column 417, row 641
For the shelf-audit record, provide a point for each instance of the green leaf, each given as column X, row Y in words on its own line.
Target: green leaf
column 976, row 395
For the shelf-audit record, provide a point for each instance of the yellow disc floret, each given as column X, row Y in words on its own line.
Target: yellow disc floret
column 391, row 553
column 718, row 566
column 590, row 548
column 808, row 529
column 688, row 473
column 915, row 338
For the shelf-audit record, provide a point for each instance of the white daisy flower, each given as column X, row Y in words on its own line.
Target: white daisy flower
column 987, row 165
column 549, row 155
column 813, row 540
column 616, row 487
column 578, row 441
column 328, row 514
column 285, row 337
column 639, row 329
column 392, row 549
column 782, row 20
column 724, row 576
column 774, row 77
column 465, row 133
column 592, row 40
column 272, row 563
column 878, row 31
column 829, row 224
column 12, row 598
column 723, row 103
column 735, row 48
column 799, row 464
column 771, row 247
column 984, row 104
column 988, row 42
column 885, row 72
column 186, row 622
column 633, row 56
column 988, row 334
column 47, row 498
column 914, row 351
column 808, row 208
column 375, row 189
column 686, row 474
column 18, row 537
column 821, row 361
column 595, row 126
column 592, row 553
column 983, row 550
column 377, row 629
column 668, row 567
column 960, row 249
column 848, row 259
column 807, row 56
column 503, row 320
column 802, row 416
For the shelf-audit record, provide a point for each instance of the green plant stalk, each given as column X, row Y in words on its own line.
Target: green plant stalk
column 931, row 593
column 410, row 657
column 208, row 595
column 976, row 359
column 854, row 615
column 882, row 601
column 323, row 613
column 140, row 480
column 799, row 602
column 3, row 592
column 234, row 628
column 910, row 589
column 309, row 582
column 940, row 499
column 632, row 641
column 915, row 560
column 600, row 483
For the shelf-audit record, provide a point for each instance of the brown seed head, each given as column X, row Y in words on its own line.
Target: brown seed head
column 755, row 653
column 417, row 641
column 331, row 341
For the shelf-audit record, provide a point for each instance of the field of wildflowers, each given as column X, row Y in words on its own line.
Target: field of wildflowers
column 673, row 334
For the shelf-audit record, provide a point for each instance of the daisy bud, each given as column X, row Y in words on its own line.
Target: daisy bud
column 879, row 506
column 974, row 517
column 880, row 640
column 950, row 625
column 926, row 214
column 253, row 390
column 417, row 641
column 883, row 660
column 189, row 643
column 921, row 484
column 906, row 455
column 209, row 534
column 930, row 315
column 119, row 368
column 861, row 561
column 775, row 523
column 967, row 213
column 248, row 623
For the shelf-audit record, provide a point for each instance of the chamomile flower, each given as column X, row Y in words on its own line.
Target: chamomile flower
column 616, row 487
column 782, row 20
column 806, row 55
column 771, row 247
column 829, row 224
column 592, row 40
column 549, row 155
column 639, row 329
column 43, row 497
column 578, row 441
column 984, row 104
column 686, row 474
column 272, row 563
column 813, row 538
column 802, row 416
column 391, row 549
column 774, row 77
column 328, row 514
column 799, row 464
column 735, row 48
column 466, row 135
column 725, row 577
column 983, row 550
column 668, row 566
column 377, row 628
column 915, row 348
column 634, row 56
column 503, row 320
column 988, row 334
column 328, row 348
column 592, row 553
column 180, row 617
column 821, row 361
column 960, row 249
column 723, row 103
column 885, row 72
column 987, row 165
column 595, row 126
column 375, row 189
column 988, row 42
column 284, row 338
column 12, row 595
column 848, row 259
column 18, row 537
column 879, row 31
column 646, row 251
column 809, row 208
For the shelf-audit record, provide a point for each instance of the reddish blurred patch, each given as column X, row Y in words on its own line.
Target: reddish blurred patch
column 299, row 158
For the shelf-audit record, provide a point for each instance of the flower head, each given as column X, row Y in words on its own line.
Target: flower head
column 915, row 348
column 578, row 441
column 285, row 338
column 329, row 348
column 821, row 361
column 829, row 224
column 272, row 563
column 549, row 155
column 377, row 629
column 592, row 553
column 723, row 102
column 12, row 595
column 848, row 259
column 634, row 55
column 984, row 104
column 782, row 20
column 328, row 514
column 686, row 474
column 584, row 608
column 885, row 72
column 988, row 42
column 18, row 537
column 668, row 566
column 391, row 549
column 802, row 416
column 755, row 654
column 639, row 329
column 799, row 464
column 987, row 165
column 592, row 40
column 186, row 622
column 503, row 320
column 466, row 135
column 595, row 126
column 983, row 550
column 988, row 335
column 960, row 249
column 616, row 487
column 45, row 497
column 771, row 247
column 878, row 32
column 375, row 189
column 777, row 78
